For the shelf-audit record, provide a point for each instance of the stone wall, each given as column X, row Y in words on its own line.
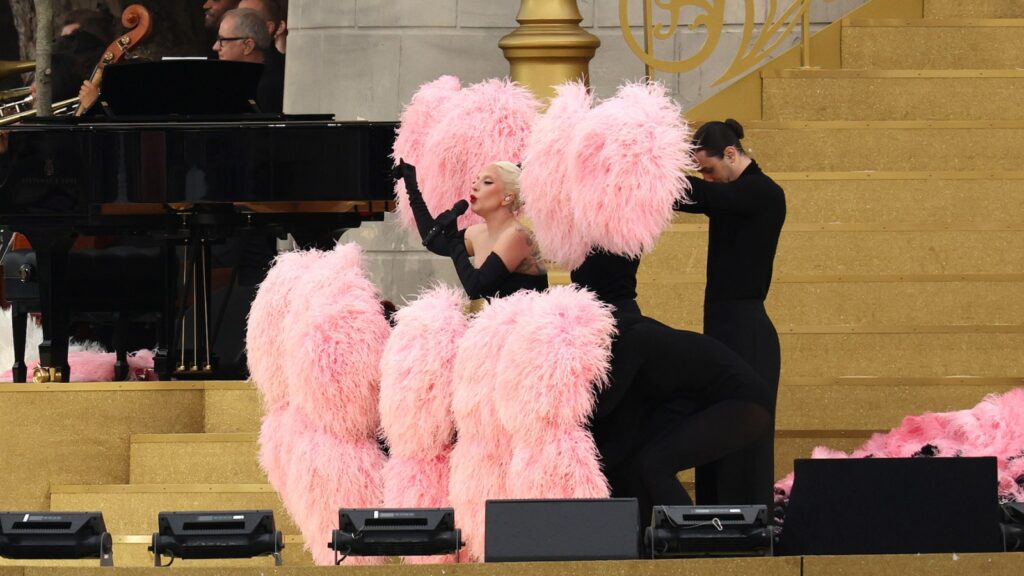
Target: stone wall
column 364, row 58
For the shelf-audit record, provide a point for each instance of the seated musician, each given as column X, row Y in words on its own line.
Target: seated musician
column 275, row 12
column 213, row 12
column 99, row 24
column 243, row 37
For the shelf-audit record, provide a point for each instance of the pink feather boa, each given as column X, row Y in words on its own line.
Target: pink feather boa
column 605, row 177
column 450, row 134
column 995, row 427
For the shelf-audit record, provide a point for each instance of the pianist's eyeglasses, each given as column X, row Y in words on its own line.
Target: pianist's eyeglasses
column 221, row 40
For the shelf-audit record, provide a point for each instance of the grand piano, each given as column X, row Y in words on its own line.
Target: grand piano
column 186, row 180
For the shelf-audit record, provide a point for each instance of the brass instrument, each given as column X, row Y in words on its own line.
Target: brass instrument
column 14, row 112
column 14, row 94
column 59, row 108
column 135, row 19
column 12, row 67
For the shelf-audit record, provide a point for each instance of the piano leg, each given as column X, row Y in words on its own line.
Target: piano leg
column 162, row 361
column 19, row 325
column 52, row 261
column 120, row 348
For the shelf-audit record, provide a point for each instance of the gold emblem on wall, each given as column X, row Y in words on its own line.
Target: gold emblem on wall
column 757, row 43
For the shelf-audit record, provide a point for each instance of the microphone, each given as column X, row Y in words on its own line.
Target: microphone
column 444, row 219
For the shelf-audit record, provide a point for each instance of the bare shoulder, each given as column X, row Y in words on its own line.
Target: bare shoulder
column 475, row 230
column 523, row 238
column 476, row 236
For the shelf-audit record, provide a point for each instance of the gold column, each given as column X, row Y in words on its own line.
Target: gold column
column 549, row 47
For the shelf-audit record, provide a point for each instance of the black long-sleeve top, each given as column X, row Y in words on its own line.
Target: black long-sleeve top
column 746, row 217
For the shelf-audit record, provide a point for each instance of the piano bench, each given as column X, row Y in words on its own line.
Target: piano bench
column 116, row 285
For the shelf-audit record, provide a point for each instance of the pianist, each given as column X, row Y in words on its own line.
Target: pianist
column 243, row 37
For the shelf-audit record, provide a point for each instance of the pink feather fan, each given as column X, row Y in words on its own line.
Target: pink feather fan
column 269, row 311
column 545, row 187
column 416, row 402
column 335, row 337
column 328, row 473
column 628, row 166
column 318, row 444
column 416, row 374
column 477, row 126
column 418, row 120
column 606, row 178
column 526, row 376
column 479, row 460
column 552, row 366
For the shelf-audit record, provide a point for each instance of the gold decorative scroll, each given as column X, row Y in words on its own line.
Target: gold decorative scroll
column 757, row 43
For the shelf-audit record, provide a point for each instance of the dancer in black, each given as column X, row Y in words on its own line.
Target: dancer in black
column 677, row 399
column 507, row 254
column 746, row 210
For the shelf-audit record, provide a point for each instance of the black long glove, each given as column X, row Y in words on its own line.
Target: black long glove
column 482, row 282
column 424, row 221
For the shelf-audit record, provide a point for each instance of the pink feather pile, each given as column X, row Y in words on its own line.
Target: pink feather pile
column 605, row 177
column 995, row 427
column 318, row 440
column 92, row 366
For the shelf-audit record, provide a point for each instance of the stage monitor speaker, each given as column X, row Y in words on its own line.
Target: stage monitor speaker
column 218, row 534
column 892, row 506
column 395, row 532
column 55, row 536
column 702, row 531
column 546, row 530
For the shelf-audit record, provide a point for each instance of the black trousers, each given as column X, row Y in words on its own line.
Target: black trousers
column 747, row 476
column 678, row 400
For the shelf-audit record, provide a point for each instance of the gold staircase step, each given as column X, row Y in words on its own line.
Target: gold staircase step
column 842, row 146
column 79, row 432
column 906, row 354
column 895, row 197
column 195, row 459
column 862, row 252
column 894, row 95
column 233, row 407
column 679, row 302
column 937, row 44
column 870, row 406
column 133, row 508
column 1001, row 564
column 973, row 9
